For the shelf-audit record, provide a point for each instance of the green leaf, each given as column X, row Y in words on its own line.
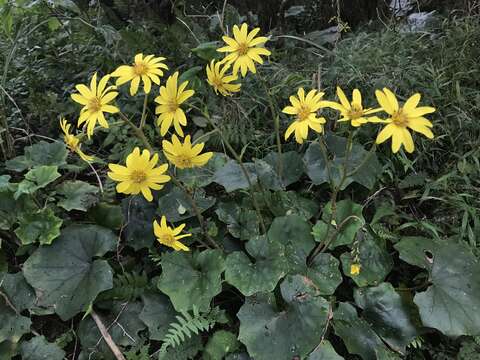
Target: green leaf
column 107, row 215
column 348, row 216
column 176, row 206
column 17, row 290
column 185, row 351
column 294, row 233
column 12, row 325
column 452, row 303
column 272, row 333
column 197, row 274
column 8, row 350
column 5, row 184
column 39, row 154
column 356, row 333
column 77, row 195
column 139, row 215
column 124, row 329
column 291, row 164
column 324, row 351
column 207, row 50
column 42, row 226
column 39, row 348
column 65, row 274
column 284, row 203
column 202, row 176
column 375, row 262
column 267, row 176
column 241, row 222
column 418, row 251
column 315, row 165
column 35, row 179
column 324, row 273
column 262, row 275
column 220, row 344
column 157, row 313
column 232, row 178
column 387, row 313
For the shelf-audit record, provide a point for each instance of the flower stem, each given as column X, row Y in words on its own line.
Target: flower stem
column 144, row 112
column 141, row 136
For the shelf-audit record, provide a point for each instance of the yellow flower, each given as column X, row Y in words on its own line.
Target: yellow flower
column 355, row 269
column 146, row 68
column 170, row 99
column 169, row 236
column 243, row 49
column 72, row 141
column 352, row 111
column 304, row 108
column 140, row 174
column 185, row 155
column 219, row 81
column 403, row 118
column 95, row 101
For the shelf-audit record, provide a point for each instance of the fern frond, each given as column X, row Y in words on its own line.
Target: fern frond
column 126, row 287
column 187, row 325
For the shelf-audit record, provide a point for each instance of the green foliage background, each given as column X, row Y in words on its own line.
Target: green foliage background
column 69, row 250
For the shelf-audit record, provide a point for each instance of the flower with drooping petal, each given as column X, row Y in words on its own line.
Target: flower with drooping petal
column 220, row 82
column 244, row 49
column 95, row 101
column 352, row 111
column 304, row 108
column 170, row 98
column 355, row 269
column 72, row 141
column 148, row 69
column 170, row 236
column 409, row 116
column 185, row 155
column 140, row 175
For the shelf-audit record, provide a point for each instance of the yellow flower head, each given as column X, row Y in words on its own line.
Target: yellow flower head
column 170, row 99
column 352, row 111
column 169, row 236
column 305, row 110
column 140, row 174
column 409, row 116
column 72, row 141
column 219, row 81
column 147, row 69
column 355, row 269
column 243, row 50
column 95, row 101
column 185, row 155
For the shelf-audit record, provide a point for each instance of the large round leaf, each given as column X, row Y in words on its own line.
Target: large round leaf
column 39, row 348
column 325, row 273
column 12, row 325
column 138, row 214
column 263, row 273
column 291, row 165
column 65, row 274
column 324, row 351
column 191, row 279
column 283, row 334
column 452, row 303
column 418, row 251
column 388, row 314
column 17, row 290
column 294, row 233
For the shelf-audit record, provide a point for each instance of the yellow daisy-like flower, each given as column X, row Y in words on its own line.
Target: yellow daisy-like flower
column 355, row 269
column 409, row 116
column 352, row 111
column 185, row 155
column 148, row 69
column 72, row 141
column 169, row 236
column 170, row 99
column 243, row 49
column 140, row 174
column 95, row 101
column 305, row 110
column 219, row 81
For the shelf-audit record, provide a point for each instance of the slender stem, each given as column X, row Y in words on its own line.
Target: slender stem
column 242, row 167
column 97, row 176
column 144, row 112
column 106, row 336
column 276, row 122
column 141, row 136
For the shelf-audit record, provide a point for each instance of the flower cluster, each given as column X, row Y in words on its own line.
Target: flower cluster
column 399, row 120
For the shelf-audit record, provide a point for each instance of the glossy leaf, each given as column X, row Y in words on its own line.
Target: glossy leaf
column 77, row 195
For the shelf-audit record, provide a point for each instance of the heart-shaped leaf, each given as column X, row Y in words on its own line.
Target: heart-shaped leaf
column 77, row 195
column 42, row 226
column 197, row 274
column 39, row 348
column 324, row 273
column 66, row 275
column 263, row 274
column 157, row 313
column 324, row 351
